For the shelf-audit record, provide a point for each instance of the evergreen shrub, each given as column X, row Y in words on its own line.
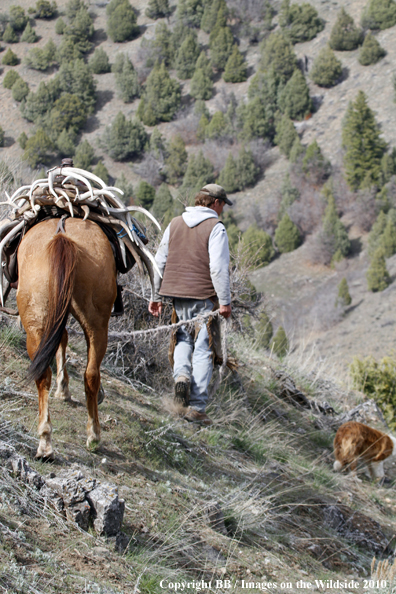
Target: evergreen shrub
column 378, row 277
column 124, row 139
column 327, row 68
column 287, row 235
column 379, row 14
column 345, row 36
column 301, row 22
column 121, row 21
column 371, row 51
column 99, row 62
column 10, row 79
column 10, row 58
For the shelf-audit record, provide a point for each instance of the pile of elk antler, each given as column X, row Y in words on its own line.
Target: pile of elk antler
column 81, row 194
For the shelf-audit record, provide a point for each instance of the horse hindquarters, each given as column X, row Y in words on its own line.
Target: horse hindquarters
column 46, row 280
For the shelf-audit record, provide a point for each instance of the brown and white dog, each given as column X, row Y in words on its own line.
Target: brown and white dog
column 356, row 442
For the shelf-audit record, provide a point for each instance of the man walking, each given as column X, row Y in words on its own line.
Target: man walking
column 193, row 258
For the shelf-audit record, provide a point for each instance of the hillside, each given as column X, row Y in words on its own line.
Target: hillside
column 252, row 498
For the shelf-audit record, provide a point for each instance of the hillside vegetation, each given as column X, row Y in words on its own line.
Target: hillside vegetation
column 290, row 106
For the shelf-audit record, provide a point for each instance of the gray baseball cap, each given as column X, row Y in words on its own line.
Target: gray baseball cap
column 217, row 192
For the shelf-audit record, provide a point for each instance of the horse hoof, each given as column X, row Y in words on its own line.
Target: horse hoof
column 92, row 444
column 45, row 457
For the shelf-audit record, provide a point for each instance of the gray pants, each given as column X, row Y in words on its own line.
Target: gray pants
column 194, row 359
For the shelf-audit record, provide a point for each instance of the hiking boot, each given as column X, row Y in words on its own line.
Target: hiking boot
column 194, row 416
column 182, row 390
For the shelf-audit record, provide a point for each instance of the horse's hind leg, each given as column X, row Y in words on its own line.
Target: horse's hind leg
column 43, row 384
column 62, row 378
column 97, row 344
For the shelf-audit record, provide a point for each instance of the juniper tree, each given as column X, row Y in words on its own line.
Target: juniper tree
column 99, row 62
column 345, row 36
column 158, row 9
column 246, row 169
column 235, row 69
column 258, row 247
column 42, row 58
column 9, row 35
column 38, row 149
column 67, row 52
column 29, row 35
column 189, row 12
column 124, row 139
column 279, row 55
column 187, row 56
column 364, row 148
column 257, row 117
column 297, row 151
column 202, row 127
column 378, row 277
column 287, row 235
column 157, row 144
column 389, row 238
column 379, row 14
column 121, row 21
column 60, row 26
column 333, row 235
column 315, row 165
column 67, row 113
column 22, row 140
column 161, row 98
column 286, row 135
column 163, row 202
column 327, row 68
column 221, row 45
column 199, row 172
column 201, row 83
column 210, row 13
column 228, row 177
column 10, row 58
column 76, row 78
column 84, row 156
column 343, row 297
column 20, row 90
column 163, row 46
column 217, row 126
column 376, row 233
column 2, row 137
column 72, row 8
column 145, row 194
column 176, row 160
column 127, row 82
column 18, row 18
column 123, row 184
column 301, row 22
column 101, row 171
column 10, row 79
column 294, row 99
column 371, row 51
column 39, row 103
column 289, row 195
column 66, row 143
column 263, row 331
column 43, row 9
column 80, row 29
column 280, row 344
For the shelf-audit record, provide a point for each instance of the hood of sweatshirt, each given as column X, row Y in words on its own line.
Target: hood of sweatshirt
column 194, row 215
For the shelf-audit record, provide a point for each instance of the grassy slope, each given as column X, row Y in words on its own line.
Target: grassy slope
column 264, row 462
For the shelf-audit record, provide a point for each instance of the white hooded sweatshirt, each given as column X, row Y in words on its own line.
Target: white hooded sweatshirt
column 219, row 255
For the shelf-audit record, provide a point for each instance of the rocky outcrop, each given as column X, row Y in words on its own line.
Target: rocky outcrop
column 81, row 499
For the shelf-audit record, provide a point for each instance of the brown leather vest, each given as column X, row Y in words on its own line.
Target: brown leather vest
column 187, row 272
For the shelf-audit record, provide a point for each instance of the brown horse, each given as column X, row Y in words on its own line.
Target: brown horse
column 61, row 273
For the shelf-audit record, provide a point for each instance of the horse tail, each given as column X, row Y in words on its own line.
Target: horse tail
column 62, row 254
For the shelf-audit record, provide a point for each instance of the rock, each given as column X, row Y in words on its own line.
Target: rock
column 71, row 486
column 121, row 542
column 356, row 527
column 80, row 514
column 107, row 508
column 21, row 469
column 52, row 498
column 366, row 412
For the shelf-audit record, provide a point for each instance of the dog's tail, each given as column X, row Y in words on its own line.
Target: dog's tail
column 337, row 466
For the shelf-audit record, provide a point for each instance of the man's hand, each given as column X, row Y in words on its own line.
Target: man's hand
column 225, row 311
column 155, row 308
